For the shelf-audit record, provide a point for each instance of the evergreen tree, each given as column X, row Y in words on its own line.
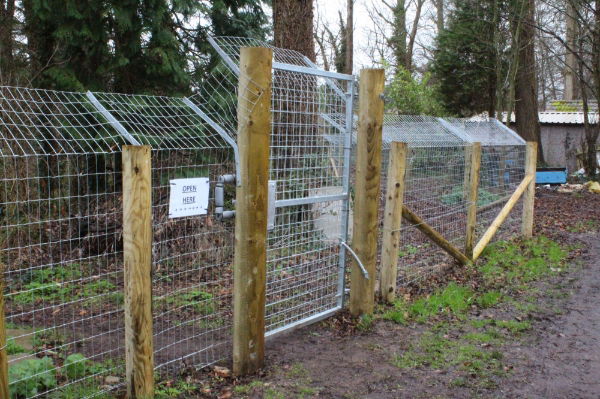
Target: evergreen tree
column 68, row 43
column 130, row 46
column 467, row 56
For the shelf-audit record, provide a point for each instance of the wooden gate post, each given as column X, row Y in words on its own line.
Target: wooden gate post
column 529, row 195
column 250, row 262
column 137, row 253
column 392, row 219
column 472, row 197
column 3, row 353
column 366, row 199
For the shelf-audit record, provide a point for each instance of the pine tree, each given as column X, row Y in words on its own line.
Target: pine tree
column 467, row 56
column 68, row 43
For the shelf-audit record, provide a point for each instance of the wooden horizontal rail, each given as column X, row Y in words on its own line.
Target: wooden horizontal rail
column 434, row 235
column 491, row 205
column 491, row 231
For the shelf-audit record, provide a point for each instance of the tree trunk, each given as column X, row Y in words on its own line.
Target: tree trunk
column 293, row 26
column 526, row 107
column 439, row 6
column 571, row 87
column 413, row 35
column 349, row 37
column 7, row 15
column 592, row 132
column 399, row 35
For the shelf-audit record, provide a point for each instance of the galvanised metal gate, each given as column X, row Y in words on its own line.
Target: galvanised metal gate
column 311, row 142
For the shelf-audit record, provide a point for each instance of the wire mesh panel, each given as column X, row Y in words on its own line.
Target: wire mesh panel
column 61, row 246
column 437, row 183
column 502, row 170
column 309, row 168
column 62, row 242
column 434, row 179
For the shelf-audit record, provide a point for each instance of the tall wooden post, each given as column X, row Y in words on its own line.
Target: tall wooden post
column 466, row 180
column 3, row 353
column 472, row 196
column 394, row 199
column 366, row 199
column 250, row 263
column 137, row 251
column 529, row 195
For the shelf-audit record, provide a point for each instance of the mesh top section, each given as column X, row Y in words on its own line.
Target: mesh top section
column 488, row 131
column 46, row 122
column 419, row 131
column 231, row 46
column 161, row 122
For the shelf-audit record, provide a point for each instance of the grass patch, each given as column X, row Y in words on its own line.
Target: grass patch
column 200, row 301
column 438, row 352
column 512, row 262
column 453, row 299
column 12, row 348
column 488, row 299
column 62, row 284
column 584, row 226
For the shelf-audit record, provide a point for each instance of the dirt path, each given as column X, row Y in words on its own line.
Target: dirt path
column 564, row 361
column 559, row 357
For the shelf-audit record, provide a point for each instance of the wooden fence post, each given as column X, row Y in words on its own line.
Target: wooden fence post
column 529, row 195
column 467, row 178
column 250, row 262
column 3, row 353
column 472, row 197
column 137, row 251
column 392, row 220
column 366, row 199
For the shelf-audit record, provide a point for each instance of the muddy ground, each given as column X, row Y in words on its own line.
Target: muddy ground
column 556, row 353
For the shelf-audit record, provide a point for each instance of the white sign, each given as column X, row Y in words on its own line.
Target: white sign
column 188, row 197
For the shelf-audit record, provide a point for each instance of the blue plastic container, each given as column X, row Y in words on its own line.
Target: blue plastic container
column 551, row 176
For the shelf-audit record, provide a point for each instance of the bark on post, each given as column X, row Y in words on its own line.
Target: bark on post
column 368, row 178
column 250, row 263
column 3, row 353
column 392, row 220
column 137, row 252
column 472, row 197
column 529, row 196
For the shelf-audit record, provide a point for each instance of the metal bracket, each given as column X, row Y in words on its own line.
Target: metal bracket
column 224, row 135
column 364, row 271
column 271, row 205
column 111, row 119
column 220, row 197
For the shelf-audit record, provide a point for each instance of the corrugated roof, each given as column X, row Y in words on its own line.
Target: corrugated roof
column 560, row 118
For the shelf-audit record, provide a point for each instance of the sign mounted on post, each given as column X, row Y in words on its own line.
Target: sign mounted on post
column 189, row 197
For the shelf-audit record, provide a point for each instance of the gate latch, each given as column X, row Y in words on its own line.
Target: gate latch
column 364, row 271
column 222, row 213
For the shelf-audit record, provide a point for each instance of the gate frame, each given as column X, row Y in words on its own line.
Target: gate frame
column 347, row 96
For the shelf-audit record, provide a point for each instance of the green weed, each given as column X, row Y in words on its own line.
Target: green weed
column 30, row 377
column 202, row 302
column 365, row 322
column 12, row 348
column 488, row 299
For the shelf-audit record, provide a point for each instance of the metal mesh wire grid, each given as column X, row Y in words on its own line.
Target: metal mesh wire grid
column 62, row 234
column 61, row 242
column 192, row 256
column 309, row 163
column 436, row 176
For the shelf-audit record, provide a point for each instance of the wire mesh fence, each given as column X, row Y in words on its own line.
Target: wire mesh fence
column 309, row 166
column 61, row 212
column 62, row 247
column 61, row 242
column 437, row 178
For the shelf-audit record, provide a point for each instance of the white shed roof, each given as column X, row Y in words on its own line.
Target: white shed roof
column 558, row 117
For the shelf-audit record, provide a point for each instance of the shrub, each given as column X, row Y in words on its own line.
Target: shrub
column 32, row 376
column 75, row 366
